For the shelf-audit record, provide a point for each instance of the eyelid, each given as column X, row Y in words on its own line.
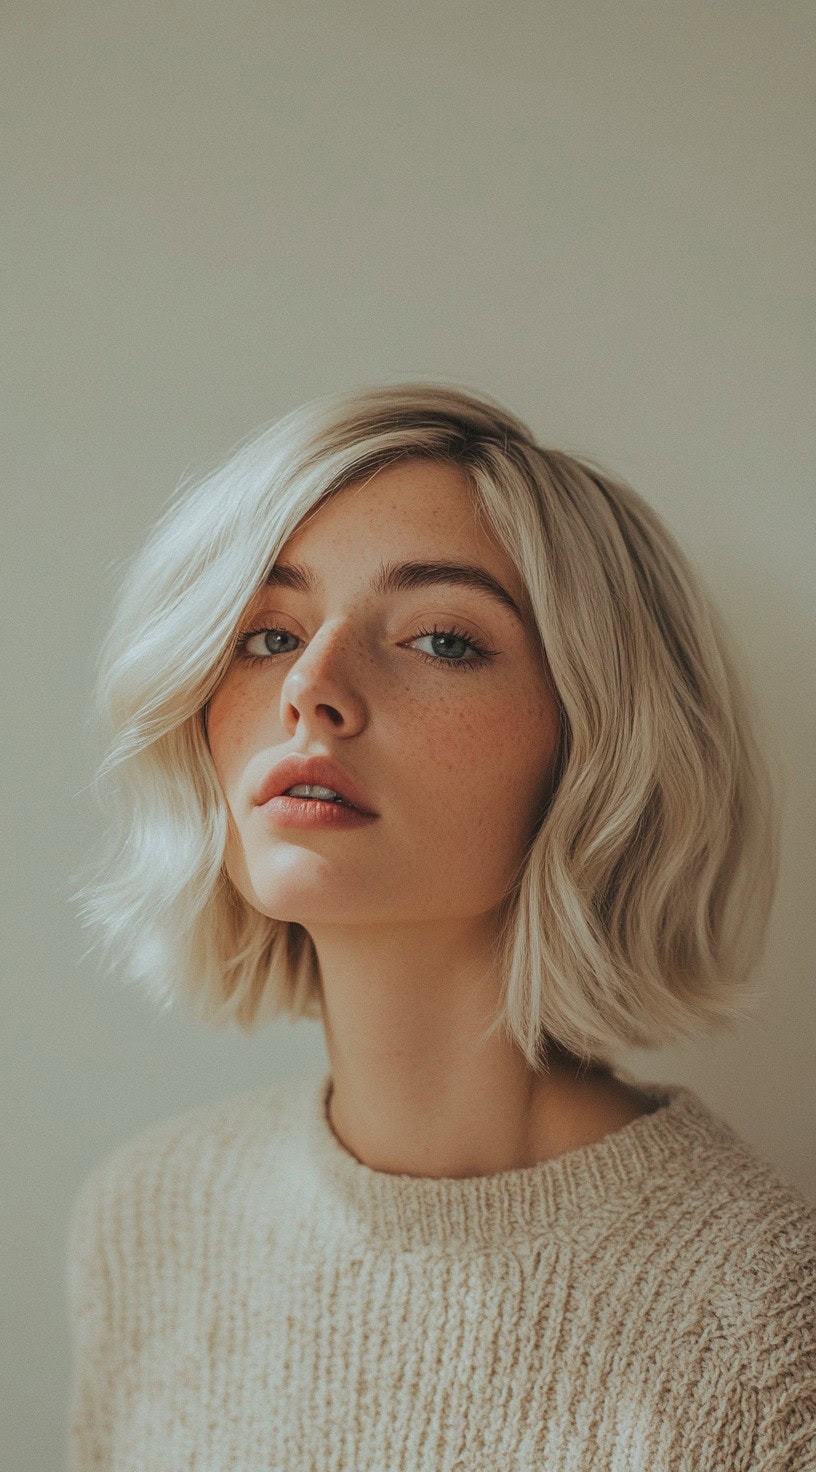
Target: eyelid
column 439, row 623
column 265, row 618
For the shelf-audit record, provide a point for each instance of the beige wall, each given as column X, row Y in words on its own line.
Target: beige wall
column 601, row 214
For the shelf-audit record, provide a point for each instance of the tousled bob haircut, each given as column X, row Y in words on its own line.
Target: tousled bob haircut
column 641, row 906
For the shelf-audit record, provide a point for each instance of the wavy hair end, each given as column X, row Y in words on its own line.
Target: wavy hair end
column 641, row 907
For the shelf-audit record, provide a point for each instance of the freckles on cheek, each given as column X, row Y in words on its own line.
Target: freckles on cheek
column 481, row 736
column 460, row 746
column 230, row 732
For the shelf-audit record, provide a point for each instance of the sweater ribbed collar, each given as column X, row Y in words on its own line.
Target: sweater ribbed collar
column 485, row 1211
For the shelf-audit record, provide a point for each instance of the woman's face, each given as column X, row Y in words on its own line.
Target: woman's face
column 454, row 752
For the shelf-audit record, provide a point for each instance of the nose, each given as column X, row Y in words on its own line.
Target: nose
column 318, row 687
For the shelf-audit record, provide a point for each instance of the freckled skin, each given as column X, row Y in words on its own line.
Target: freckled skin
column 458, row 765
column 454, row 762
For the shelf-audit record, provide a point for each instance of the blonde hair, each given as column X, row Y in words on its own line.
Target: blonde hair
column 642, row 902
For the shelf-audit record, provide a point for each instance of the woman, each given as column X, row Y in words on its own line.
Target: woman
column 527, row 823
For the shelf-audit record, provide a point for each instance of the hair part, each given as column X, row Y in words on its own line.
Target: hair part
column 640, row 908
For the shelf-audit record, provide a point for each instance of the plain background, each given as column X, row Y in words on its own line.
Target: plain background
column 600, row 214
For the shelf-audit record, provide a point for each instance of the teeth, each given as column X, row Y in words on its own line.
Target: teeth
column 304, row 789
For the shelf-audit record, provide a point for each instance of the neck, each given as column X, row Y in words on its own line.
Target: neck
column 416, row 1089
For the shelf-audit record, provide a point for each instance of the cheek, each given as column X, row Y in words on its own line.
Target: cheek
column 229, row 732
column 489, row 768
column 229, row 739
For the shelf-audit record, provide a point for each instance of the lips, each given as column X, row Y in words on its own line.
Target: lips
column 317, row 771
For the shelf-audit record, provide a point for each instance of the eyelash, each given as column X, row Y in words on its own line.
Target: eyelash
column 479, row 659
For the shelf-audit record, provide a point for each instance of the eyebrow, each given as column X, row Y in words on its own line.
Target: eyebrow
column 403, row 577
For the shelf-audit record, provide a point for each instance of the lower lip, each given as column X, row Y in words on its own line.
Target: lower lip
column 310, row 812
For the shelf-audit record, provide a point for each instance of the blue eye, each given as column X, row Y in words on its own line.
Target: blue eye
column 480, row 653
column 478, row 658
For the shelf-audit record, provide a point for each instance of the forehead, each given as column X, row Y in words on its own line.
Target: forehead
column 410, row 525
column 413, row 508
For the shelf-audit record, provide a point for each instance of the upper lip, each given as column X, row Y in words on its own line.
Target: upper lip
column 320, row 771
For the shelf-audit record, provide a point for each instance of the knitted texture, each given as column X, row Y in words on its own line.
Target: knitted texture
column 244, row 1295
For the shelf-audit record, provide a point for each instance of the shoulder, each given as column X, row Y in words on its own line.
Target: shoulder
column 726, row 1227
column 771, row 1275
column 769, row 1258
column 171, row 1157
column 725, row 1271
column 740, row 1232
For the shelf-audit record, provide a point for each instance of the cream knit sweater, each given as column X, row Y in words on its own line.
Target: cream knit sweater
column 244, row 1295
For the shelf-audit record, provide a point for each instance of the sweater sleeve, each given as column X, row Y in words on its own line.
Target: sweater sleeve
column 786, row 1360
column 90, row 1300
